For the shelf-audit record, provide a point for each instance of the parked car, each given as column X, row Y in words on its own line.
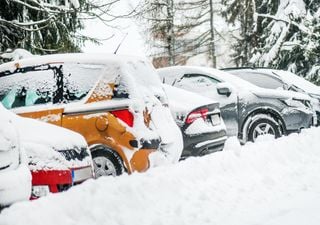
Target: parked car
column 15, row 176
column 109, row 99
column 247, row 110
column 280, row 79
column 57, row 158
column 199, row 120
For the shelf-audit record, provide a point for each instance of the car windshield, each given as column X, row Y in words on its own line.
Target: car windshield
column 293, row 79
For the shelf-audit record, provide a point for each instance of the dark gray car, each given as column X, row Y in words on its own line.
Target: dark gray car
column 247, row 110
column 200, row 122
column 280, row 79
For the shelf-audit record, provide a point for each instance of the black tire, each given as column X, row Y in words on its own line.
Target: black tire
column 102, row 154
column 264, row 121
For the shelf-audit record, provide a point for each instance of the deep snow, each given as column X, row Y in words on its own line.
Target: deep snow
column 268, row 182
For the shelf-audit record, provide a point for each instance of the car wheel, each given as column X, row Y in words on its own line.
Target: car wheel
column 106, row 162
column 263, row 124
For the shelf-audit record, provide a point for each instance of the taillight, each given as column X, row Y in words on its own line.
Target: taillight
column 199, row 113
column 125, row 115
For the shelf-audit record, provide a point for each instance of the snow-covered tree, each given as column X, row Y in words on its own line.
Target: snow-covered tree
column 291, row 38
column 242, row 12
column 47, row 26
column 179, row 30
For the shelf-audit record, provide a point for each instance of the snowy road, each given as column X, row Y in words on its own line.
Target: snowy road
column 272, row 182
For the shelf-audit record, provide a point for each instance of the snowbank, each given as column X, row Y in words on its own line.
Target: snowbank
column 268, row 182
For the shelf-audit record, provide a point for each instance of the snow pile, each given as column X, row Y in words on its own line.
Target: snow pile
column 268, row 182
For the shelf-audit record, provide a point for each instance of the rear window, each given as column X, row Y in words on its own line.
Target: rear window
column 32, row 88
column 47, row 84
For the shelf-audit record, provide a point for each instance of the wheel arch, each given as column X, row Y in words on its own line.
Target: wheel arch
column 115, row 149
column 268, row 111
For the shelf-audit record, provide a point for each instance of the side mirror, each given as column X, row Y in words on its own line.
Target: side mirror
column 224, row 89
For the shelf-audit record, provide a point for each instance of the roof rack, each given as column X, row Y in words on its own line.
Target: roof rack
column 246, row 67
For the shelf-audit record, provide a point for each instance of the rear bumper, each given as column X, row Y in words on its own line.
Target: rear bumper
column 60, row 180
column 204, row 143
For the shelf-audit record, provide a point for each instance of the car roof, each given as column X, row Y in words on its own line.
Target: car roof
column 70, row 57
column 215, row 73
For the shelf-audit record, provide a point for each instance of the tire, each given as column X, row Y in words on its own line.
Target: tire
column 106, row 162
column 263, row 124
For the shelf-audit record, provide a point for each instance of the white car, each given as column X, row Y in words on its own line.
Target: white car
column 15, row 176
column 57, row 158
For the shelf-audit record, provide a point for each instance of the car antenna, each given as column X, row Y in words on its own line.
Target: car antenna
column 115, row 52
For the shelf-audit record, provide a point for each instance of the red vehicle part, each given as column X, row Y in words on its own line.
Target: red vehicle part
column 51, row 178
column 199, row 113
column 125, row 115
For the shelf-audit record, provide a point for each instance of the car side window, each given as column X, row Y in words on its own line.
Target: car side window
column 261, row 80
column 79, row 79
column 22, row 88
column 199, row 83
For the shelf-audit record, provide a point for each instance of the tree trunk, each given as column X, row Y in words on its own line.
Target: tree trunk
column 170, row 33
column 212, row 36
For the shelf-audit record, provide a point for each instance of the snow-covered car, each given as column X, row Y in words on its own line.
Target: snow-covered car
column 57, row 158
column 200, row 121
column 280, row 79
column 111, row 100
column 15, row 176
column 247, row 110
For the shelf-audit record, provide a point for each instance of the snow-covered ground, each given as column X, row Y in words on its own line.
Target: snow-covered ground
column 272, row 182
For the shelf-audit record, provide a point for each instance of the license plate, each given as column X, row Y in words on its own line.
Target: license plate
column 215, row 119
column 81, row 174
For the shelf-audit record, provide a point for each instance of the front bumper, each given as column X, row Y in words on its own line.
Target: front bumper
column 203, row 143
column 296, row 119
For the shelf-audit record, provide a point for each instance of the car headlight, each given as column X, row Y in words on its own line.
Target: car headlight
column 297, row 103
column 39, row 191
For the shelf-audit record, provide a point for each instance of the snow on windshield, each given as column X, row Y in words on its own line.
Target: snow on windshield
column 300, row 82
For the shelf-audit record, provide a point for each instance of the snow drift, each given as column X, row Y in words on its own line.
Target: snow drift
column 268, row 182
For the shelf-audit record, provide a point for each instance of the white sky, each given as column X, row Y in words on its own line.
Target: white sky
column 132, row 45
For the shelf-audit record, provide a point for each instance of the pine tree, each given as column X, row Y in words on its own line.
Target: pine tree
column 48, row 26
column 290, row 38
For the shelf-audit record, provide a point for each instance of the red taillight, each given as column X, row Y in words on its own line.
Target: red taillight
column 199, row 113
column 124, row 115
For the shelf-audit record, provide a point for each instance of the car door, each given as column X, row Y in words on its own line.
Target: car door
column 208, row 86
column 34, row 92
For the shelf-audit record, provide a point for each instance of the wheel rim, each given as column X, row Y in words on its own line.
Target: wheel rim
column 263, row 129
column 103, row 167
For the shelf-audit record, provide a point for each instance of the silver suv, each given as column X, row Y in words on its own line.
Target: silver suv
column 247, row 110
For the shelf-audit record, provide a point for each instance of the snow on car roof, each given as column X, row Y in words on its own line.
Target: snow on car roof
column 70, row 57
